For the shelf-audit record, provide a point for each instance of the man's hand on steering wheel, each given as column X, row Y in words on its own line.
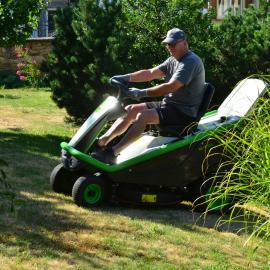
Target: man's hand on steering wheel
column 137, row 94
column 121, row 78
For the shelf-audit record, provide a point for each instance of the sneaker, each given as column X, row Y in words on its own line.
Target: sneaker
column 97, row 149
column 104, row 155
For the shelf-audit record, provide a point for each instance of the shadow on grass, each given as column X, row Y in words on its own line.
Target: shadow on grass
column 17, row 140
column 8, row 96
column 181, row 216
column 38, row 230
column 31, row 159
column 40, row 214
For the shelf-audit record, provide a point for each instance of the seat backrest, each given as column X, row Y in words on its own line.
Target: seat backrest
column 173, row 130
column 242, row 98
column 209, row 90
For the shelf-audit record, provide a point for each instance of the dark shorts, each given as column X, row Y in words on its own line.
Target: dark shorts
column 169, row 115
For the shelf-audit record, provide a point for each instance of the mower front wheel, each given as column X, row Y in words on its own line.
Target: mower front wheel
column 62, row 180
column 91, row 191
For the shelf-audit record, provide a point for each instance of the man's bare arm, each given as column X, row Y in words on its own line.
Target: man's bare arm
column 164, row 88
column 146, row 75
column 156, row 91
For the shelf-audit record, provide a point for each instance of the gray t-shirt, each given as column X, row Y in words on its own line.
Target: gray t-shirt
column 190, row 71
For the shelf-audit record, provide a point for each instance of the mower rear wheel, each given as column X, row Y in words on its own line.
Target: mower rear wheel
column 216, row 203
column 207, row 199
column 91, row 191
column 62, row 180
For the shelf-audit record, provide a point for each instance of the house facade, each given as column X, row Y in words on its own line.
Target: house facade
column 237, row 6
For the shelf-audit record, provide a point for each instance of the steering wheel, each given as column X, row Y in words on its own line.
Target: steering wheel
column 121, row 87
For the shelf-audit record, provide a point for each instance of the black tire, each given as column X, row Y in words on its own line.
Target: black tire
column 62, row 180
column 91, row 191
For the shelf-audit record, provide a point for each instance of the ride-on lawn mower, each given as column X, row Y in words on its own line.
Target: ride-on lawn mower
column 161, row 167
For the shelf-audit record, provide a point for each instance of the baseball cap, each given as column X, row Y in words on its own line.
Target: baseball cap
column 174, row 35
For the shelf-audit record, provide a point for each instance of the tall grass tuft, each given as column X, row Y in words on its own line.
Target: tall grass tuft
column 247, row 182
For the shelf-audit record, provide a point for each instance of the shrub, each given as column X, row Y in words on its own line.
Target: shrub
column 148, row 22
column 28, row 69
column 83, row 56
column 9, row 79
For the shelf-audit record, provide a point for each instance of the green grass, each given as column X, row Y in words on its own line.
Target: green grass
column 48, row 231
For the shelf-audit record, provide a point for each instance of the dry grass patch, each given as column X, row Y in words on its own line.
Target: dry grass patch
column 24, row 118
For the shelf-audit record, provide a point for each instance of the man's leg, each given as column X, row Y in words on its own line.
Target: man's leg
column 121, row 124
column 148, row 116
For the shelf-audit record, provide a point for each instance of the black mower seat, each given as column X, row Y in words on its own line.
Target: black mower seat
column 173, row 130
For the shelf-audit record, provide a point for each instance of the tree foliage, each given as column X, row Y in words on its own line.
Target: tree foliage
column 148, row 22
column 18, row 19
column 84, row 55
column 242, row 47
column 99, row 39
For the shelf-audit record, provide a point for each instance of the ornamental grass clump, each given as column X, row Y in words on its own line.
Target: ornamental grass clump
column 247, row 183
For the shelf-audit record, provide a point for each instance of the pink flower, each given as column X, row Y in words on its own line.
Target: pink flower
column 22, row 78
column 18, row 72
column 34, row 62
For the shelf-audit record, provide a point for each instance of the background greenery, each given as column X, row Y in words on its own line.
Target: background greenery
column 10, row 80
column 95, row 41
column 242, row 47
column 76, row 71
column 18, row 20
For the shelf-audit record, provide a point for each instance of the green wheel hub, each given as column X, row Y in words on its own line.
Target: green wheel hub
column 92, row 193
column 217, row 203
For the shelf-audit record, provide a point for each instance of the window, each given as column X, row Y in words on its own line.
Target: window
column 224, row 5
column 237, row 6
column 256, row 3
column 46, row 24
column 51, row 28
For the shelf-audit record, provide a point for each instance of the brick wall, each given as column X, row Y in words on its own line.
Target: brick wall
column 39, row 49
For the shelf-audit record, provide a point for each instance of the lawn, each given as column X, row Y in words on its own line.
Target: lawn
column 48, row 231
